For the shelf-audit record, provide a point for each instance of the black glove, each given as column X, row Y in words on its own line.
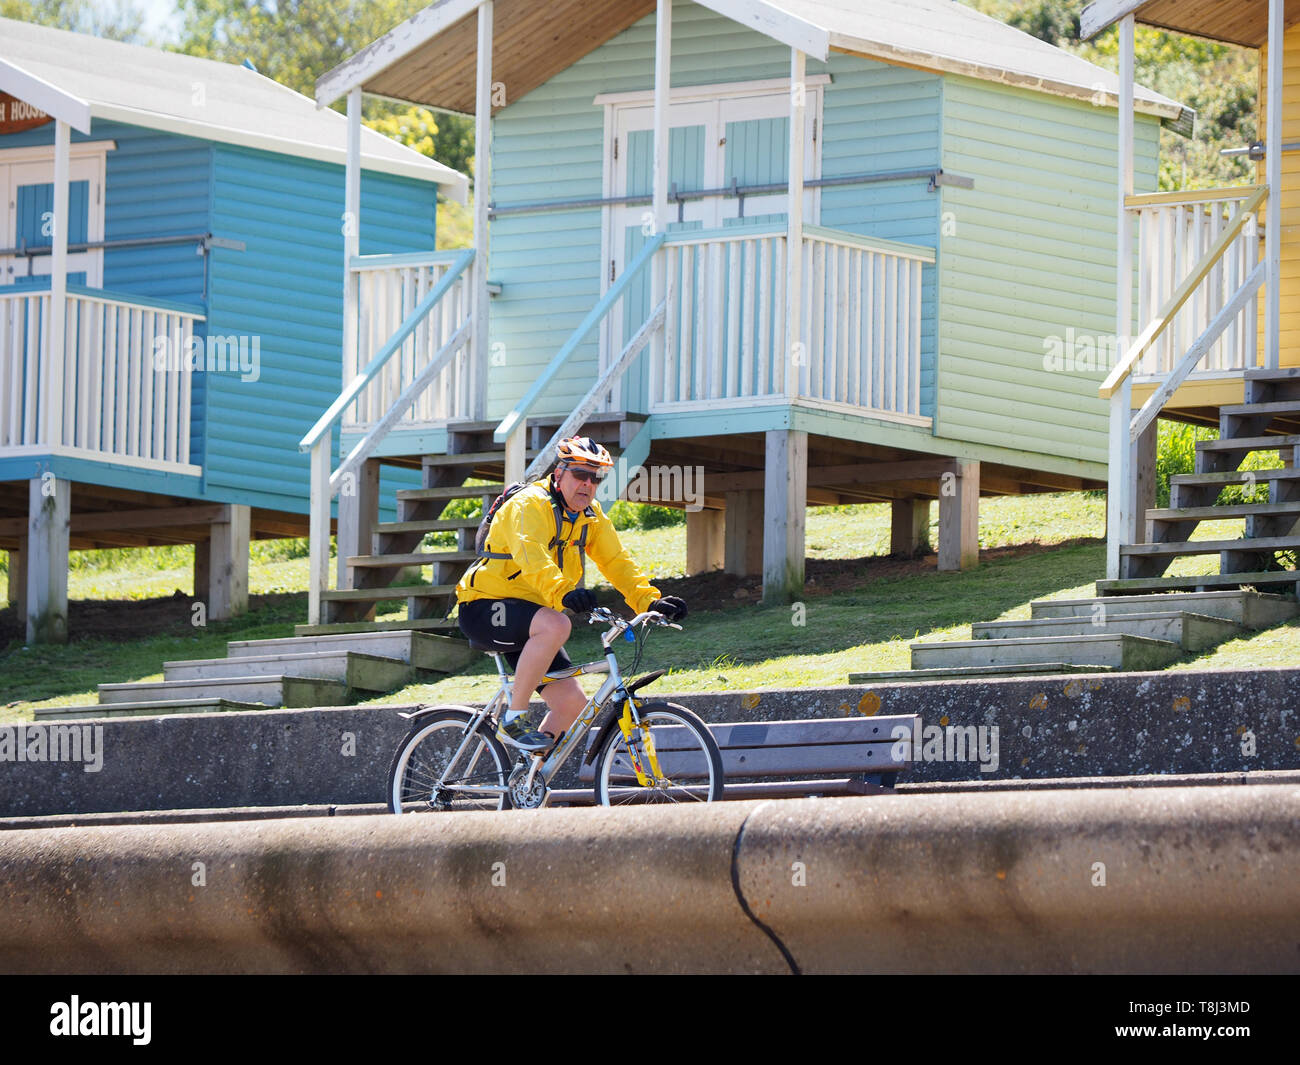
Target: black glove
column 580, row 600
column 671, row 607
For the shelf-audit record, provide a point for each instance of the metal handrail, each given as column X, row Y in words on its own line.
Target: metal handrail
column 613, row 294
column 371, row 370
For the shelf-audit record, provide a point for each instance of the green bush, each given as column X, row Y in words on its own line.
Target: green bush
column 627, row 515
column 1176, row 453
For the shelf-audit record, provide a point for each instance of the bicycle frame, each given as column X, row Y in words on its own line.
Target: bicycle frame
column 570, row 740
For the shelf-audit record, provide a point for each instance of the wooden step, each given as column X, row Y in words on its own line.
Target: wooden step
column 1290, row 373
column 421, row 650
column 472, row 458
column 1250, row 410
column 143, row 709
column 974, row 672
column 1194, row 633
column 1246, row 444
column 1227, row 478
column 271, row 691
column 1212, row 547
column 419, row 625
column 1117, row 650
column 393, row 591
column 417, row 558
column 1233, row 510
column 463, row 492
column 353, row 669
column 438, row 525
column 1254, row 610
column 1205, row 580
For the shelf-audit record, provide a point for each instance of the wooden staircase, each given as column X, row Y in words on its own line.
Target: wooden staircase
column 383, row 575
column 1269, row 420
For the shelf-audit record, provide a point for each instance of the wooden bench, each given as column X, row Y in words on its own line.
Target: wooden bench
column 753, row 752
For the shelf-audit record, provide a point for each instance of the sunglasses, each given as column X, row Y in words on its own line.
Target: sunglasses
column 590, row 476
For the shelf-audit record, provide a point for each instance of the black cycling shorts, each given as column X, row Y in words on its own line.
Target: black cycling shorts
column 504, row 623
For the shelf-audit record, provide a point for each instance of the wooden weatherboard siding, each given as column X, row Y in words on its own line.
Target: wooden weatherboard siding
column 1289, row 340
column 1028, row 254
column 549, row 145
column 285, row 288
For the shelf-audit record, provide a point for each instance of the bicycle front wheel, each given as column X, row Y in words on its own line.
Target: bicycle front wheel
column 439, row 767
column 674, row 739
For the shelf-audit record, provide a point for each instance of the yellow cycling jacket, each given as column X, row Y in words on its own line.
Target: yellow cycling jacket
column 524, row 528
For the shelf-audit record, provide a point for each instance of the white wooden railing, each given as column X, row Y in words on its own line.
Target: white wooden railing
column 1175, row 232
column 724, row 337
column 390, row 287
column 121, row 388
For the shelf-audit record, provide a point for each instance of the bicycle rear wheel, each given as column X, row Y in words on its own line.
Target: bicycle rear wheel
column 686, row 752
column 423, row 776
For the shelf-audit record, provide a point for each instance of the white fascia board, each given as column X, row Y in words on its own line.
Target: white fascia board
column 396, row 44
column 949, row 65
column 454, row 182
column 779, row 25
column 43, row 153
column 710, row 92
column 41, row 94
column 1097, row 16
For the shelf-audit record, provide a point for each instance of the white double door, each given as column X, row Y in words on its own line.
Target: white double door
column 713, row 143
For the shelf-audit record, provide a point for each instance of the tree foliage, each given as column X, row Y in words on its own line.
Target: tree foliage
column 120, row 20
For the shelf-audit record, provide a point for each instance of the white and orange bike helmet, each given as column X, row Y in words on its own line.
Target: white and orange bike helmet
column 582, row 451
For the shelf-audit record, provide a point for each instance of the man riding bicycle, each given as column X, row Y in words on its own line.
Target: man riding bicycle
column 531, row 568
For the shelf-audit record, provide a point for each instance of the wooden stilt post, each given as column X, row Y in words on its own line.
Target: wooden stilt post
column 227, row 593
column 959, row 517
column 743, row 533
column 785, row 502
column 704, row 541
column 909, row 533
column 49, row 510
column 18, row 578
column 358, row 516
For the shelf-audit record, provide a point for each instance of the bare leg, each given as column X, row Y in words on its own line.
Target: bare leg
column 546, row 635
column 566, row 700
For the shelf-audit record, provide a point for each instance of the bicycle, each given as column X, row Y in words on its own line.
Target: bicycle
column 644, row 752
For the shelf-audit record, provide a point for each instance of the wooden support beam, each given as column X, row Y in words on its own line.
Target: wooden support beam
column 18, row 578
column 909, row 533
column 227, row 591
column 49, row 507
column 959, row 501
column 121, row 520
column 784, row 513
column 743, row 533
column 704, row 541
column 358, row 516
column 827, row 476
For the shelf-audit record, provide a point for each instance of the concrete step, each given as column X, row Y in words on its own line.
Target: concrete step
column 974, row 672
column 1116, row 650
column 461, row 492
column 359, row 627
column 268, row 690
column 53, row 714
column 1194, row 633
column 422, row 650
column 352, row 669
column 1286, row 580
column 1253, row 610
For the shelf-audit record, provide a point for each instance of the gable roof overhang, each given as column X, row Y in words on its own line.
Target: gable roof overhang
column 1230, row 21
column 430, row 59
